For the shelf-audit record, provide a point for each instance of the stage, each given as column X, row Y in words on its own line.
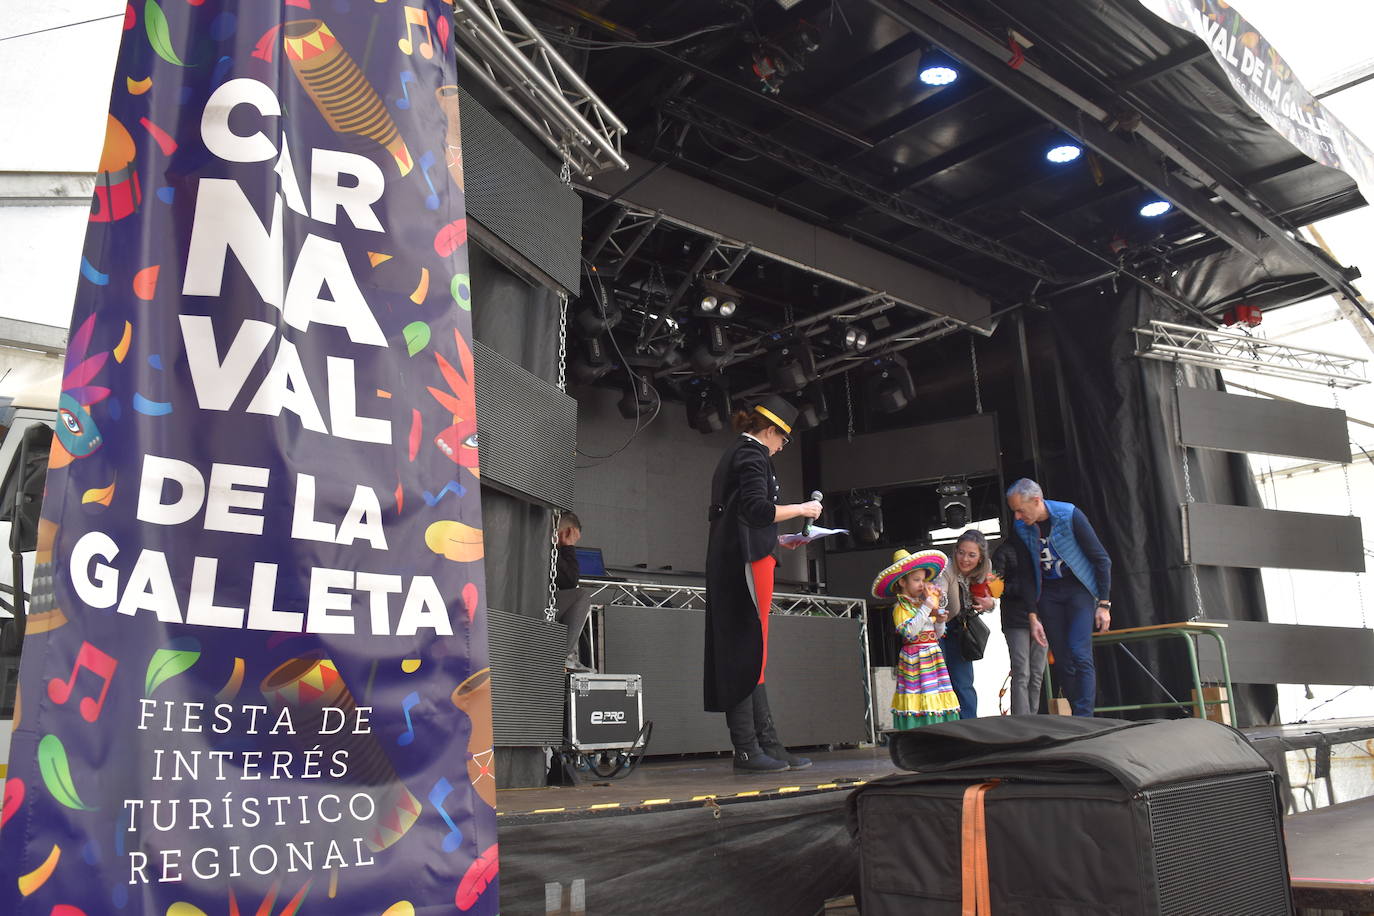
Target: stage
column 686, row 836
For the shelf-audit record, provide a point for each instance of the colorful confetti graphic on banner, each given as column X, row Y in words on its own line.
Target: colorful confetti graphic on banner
column 255, row 677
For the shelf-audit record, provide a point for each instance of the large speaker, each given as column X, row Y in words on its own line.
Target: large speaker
column 1090, row 816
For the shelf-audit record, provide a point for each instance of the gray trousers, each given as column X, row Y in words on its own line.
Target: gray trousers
column 574, row 605
column 1027, row 670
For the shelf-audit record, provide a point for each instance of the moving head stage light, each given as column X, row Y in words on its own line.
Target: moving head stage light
column 887, row 383
column 708, row 405
column 956, row 510
column 865, row 510
column 791, row 364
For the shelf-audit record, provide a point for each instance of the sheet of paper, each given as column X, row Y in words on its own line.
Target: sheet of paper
column 817, row 532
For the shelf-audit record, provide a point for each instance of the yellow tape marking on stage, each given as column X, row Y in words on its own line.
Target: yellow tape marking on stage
column 606, row 805
column 828, row 785
column 702, row 797
column 785, row 789
column 749, row 794
column 547, row 810
column 657, row 801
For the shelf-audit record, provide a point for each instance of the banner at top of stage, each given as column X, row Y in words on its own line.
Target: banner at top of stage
column 255, row 673
column 1264, row 80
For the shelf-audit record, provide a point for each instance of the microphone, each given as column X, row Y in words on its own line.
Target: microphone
column 816, row 496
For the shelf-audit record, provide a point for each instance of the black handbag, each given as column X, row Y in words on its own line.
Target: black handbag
column 973, row 634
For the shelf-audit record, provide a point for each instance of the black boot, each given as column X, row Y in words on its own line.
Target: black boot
column 767, row 735
column 749, row 757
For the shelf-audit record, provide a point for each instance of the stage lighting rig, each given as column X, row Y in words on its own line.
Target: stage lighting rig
column 956, row 510
column 865, row 510
column 713, row 298
column 594, row 318
column 776, row 57
column 710, row 347
column 847, row 336
column 640, row 397
column 887, row 383
column 812, row 408
column 591, row 360
column 791, row 364
column 708, row 405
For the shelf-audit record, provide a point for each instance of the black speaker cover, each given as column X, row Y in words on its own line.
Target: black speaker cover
column 1093, row 816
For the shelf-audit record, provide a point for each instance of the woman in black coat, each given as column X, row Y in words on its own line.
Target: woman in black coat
column 744, row 517
column 1013, row 562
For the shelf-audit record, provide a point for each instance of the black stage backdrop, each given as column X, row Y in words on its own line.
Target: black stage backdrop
column 1124, row 469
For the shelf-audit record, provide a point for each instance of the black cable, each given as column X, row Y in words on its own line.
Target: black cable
column 598, row 295
column 1148, row 673
column 65, row 25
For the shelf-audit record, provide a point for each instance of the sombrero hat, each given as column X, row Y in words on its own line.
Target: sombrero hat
column 903, row 563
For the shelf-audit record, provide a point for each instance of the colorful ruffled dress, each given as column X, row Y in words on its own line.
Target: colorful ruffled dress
column 924, row 695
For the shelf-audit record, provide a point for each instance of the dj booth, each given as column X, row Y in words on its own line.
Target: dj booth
column 818, row 662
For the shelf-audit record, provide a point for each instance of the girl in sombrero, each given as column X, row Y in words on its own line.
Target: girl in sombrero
column 923, row 695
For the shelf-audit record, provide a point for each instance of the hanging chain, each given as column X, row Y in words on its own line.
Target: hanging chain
column 849, row 404
column 551, row 610
column 977, row 386
column 1350, row 509
column 1187, row 486
column 562, row 340
column 565, row 172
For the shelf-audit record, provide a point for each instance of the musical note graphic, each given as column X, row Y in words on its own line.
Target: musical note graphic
column 441, row 791
column 409, row 703
column 417, row 16
column 94, row 661
column 427, row 163
column 403, row 102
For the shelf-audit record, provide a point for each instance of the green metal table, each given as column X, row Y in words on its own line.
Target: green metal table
column 1188, row 631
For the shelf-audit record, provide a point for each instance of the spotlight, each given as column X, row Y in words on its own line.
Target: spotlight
column 710, row 347
column 716, row 298
column 1156, row 208
column 639, row 398
column 956, row 511
column 708, row 405
column 937, row 69
column 1064, row 153
column 591, row 320
column 812, row 408
column 791, row 364
column 887, row 383
column 865, row 510
column 591, row 361
column 851, row 338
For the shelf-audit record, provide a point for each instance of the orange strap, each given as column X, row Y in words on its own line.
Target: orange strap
column 977, row 897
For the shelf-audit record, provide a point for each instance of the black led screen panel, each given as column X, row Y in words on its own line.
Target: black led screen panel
column 816, row 677
column 1232, row 423
column 963, row 447
column 528, row 686
column 1253, row 538
column 518, row 198
column 526, row 430
column 1285, row 653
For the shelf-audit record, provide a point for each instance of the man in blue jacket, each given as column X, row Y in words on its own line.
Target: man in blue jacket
column 1073, row 578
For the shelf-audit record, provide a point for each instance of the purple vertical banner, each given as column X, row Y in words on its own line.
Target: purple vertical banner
column 255, row 674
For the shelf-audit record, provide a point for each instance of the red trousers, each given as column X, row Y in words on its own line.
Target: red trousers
column 761, row 572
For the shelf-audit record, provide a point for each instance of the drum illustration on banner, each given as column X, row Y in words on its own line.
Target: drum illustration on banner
column 255, row 674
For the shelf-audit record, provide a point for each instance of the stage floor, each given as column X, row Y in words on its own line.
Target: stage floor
column 696, row 782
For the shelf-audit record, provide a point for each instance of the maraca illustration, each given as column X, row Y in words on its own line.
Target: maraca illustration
column 339, row 89
column 306, row 686
column 117, row 192
column 473, row 697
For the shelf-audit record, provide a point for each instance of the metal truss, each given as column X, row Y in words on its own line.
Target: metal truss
column 874, row 197
column 506, row 53
column 1181, row 343
column 659, row 594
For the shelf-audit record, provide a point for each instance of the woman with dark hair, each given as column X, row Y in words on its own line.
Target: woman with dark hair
column 966, row 584
column 744, row 518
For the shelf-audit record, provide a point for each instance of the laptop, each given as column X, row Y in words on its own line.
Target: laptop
column 592, row 565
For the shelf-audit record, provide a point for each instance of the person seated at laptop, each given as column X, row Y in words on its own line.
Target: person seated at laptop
column 574, row 603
